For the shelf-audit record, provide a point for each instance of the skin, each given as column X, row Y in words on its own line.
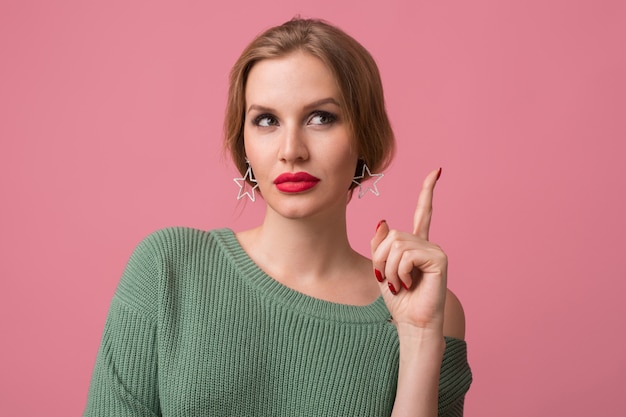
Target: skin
column 294, row 122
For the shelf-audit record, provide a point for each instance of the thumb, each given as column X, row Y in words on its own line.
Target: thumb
column 382, row 229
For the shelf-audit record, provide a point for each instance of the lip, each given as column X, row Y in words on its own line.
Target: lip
column 295, row 182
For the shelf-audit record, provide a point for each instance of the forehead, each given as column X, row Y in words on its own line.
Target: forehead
column 293, row 79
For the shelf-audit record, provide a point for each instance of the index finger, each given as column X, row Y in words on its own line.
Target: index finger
column 424, row 208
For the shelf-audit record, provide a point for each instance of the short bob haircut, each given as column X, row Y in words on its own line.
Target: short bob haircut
column 358, row 78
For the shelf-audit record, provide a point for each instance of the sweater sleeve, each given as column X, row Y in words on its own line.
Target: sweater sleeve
column 455, row 378
column 125, row 380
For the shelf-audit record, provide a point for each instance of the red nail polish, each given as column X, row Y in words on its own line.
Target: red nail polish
column 404, row 285
column 392, row 289
column 379, row 223
column 438, row 174
column 379, row 276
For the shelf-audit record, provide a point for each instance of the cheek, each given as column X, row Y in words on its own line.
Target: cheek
column 252, row 152
column 347, row 162
column 258, row 161
column 245, row 136
column 350, row 154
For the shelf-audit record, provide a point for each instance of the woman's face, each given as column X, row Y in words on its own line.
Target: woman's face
column 297, row 137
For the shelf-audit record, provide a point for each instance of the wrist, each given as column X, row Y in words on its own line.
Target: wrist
column 418, row 339
column 412, row 331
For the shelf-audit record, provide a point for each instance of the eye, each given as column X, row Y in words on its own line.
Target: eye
column 265, row 120
column 322, row 118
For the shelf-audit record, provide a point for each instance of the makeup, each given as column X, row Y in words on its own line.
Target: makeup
column 295, row 182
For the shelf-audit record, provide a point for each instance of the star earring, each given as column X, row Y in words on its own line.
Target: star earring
column 243, row 184
column 365, row 174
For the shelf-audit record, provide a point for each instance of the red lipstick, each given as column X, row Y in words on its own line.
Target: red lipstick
column 295, row 182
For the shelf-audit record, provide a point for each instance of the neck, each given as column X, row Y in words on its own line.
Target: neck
column 312, row 256
column 304, row 243
column 304, row 249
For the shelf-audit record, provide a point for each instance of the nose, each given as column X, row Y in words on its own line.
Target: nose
column 293, row 145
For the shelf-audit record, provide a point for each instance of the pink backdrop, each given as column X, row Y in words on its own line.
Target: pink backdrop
column 110, row 127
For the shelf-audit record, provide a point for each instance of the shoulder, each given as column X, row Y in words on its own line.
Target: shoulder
column 171, row 236
column 157, row 258
column 454, row 317
column 177, row 242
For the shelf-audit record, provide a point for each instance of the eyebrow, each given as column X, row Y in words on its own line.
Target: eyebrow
column 308, row 106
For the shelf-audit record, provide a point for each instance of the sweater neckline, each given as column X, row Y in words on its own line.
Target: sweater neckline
column 374, row 313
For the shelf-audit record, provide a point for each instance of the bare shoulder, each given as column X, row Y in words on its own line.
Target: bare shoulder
column 454, row 317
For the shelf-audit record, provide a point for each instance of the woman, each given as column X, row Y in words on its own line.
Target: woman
column 286, row 319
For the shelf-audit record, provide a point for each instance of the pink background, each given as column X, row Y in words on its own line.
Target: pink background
column 110, row 127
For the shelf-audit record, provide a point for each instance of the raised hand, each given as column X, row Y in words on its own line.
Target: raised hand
column 411, row 270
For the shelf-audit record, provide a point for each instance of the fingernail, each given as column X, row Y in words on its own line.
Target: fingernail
column 379, row 223
column 392, row 289
column 379, row 276
column 438, row 174
column 404, row 285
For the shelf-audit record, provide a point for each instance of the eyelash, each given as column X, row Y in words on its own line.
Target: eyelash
column 331, row 118
column 257, row 120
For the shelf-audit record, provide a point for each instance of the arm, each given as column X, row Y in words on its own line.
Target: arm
column 421, row 353
column 420, row 360
column 124, row 380
column 412, row 272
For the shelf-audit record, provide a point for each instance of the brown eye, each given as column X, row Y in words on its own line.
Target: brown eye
column 265, row 120
column 322, row 118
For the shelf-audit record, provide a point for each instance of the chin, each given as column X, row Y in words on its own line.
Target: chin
column 296, row 207
column 296, row 213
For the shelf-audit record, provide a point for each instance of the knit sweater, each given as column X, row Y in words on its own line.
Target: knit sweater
column 197, row 329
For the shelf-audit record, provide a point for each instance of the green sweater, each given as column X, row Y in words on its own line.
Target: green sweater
column 197, row 329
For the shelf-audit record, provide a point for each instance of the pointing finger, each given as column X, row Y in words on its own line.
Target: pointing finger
column 424, row 208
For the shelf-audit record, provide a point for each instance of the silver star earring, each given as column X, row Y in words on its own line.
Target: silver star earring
column 243, row 183
column 365, row 174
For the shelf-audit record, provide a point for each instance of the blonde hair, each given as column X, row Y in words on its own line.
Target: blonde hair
column 354, row 69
